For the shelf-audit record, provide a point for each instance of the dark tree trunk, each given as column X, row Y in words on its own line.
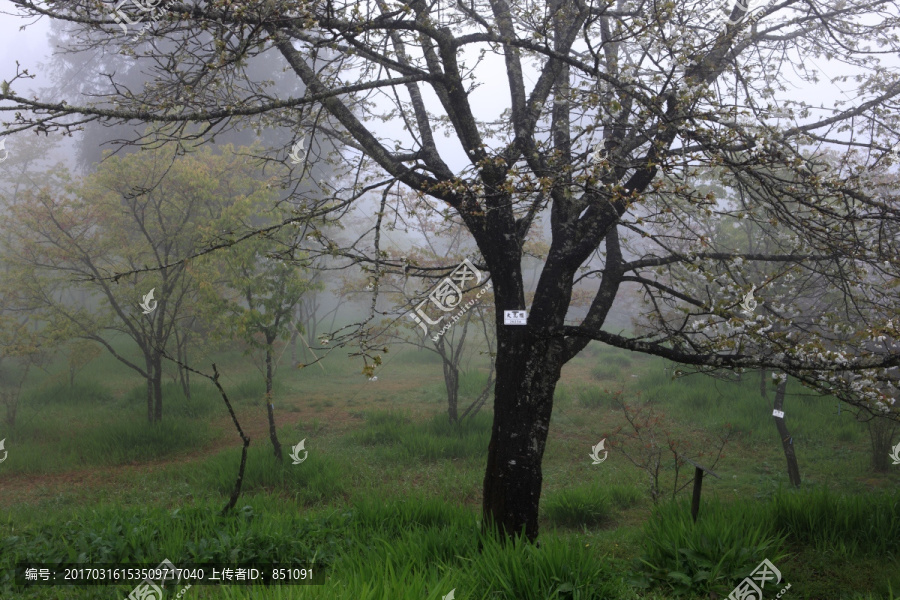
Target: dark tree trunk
column 184, row 375
column 787, row 441
column 270, row 406
column 451, row 381
column 293, row 343
column 156, row 382
column 881, row 434
column 149, row 361
column 527, row 372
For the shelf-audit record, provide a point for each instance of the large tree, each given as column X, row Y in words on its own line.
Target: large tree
column 140, row 210
column 609, row 110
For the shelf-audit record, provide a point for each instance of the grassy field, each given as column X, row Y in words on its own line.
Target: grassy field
column 387, row 503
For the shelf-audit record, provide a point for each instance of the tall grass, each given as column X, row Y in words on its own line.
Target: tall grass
column 710, row 555
column 587, row 505
column 81, row 427
column 729, row 540
column 319, row 478
column 848, row 526
column 397, row 438
column 407, row 549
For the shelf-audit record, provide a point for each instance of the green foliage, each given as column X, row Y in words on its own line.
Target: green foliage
column 847, row 526
column 121, row 442
column 81, row 352
column 713, row 554
column 75, row 422
column 190, row 534
column 249, row 293
column 729, row 540
column 557, row 570
column 410, row 548
column 624, row 496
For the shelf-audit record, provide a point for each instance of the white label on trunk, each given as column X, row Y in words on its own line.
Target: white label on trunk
column 515, row 317
column 778, row 413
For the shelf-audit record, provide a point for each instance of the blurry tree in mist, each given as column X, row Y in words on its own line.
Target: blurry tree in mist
column 150, row 208
column 250, row 293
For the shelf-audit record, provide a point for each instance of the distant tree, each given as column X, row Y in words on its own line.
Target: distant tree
column 21, row 348
column 438, row 239
column 143, row 209
column 882, row 432
column 251, row 292
column 25, row 343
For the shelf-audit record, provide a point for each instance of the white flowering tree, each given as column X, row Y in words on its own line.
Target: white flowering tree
column 599, row 116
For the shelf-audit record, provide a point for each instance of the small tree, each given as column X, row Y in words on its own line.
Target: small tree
column 787, row 440
column 440, row 239
column 254, row 290
column 647, row 438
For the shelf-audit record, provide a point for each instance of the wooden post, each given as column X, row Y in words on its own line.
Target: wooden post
column 695, row 501
column 698, row 484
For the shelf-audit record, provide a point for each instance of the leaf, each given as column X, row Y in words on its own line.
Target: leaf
column 680, row 577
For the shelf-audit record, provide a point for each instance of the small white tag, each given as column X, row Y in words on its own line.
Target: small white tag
column 515, row 317
column 778, row 413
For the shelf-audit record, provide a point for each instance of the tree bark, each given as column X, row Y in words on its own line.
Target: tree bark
column 294, row 333
column 522, row 407
column 149, row 361
column 787, row 441
column 881, row 434
column 184, row 375
column 451, row 380
column 270, row 407
column 156, row 382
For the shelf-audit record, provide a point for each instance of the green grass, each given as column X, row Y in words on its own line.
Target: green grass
column 729, row 540
column 396, row 438
column 389, row 496
column 409, row 548
column 713, row 554
column 581, row 506
column 73, row 422
column 316, row 479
